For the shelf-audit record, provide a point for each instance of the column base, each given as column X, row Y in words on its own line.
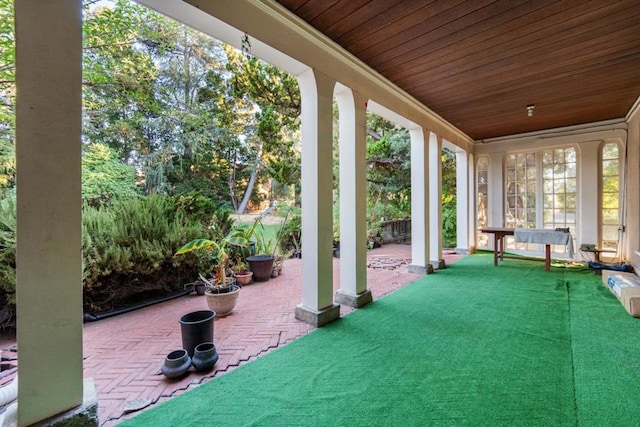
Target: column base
column 355, row 301
column 420, row 269
column 317, row 318
column 439, row 264
column 85, row 415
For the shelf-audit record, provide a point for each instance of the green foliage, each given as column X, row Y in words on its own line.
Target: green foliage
column 104, row 178
column 8, row 254
column 449, row 209
column 128, row 251
column 291, row 235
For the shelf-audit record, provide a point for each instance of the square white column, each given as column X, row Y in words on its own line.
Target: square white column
column 49, row 198
column 317, row 308
column 420, row 218
column 463, row 209
column 353, row 199
column 435, row 199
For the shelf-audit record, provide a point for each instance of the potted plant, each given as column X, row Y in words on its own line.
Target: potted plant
column 222, row 291
column 261, row 264
column 241, row 270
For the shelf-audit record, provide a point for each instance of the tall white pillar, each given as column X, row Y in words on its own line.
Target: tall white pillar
column 463, row 210
column 435, row 199
column 353, row 200
column 588, row 193
column 317, row 307
column 471, row 203
column 496, row 192
column 49, row 251
column 420, row 262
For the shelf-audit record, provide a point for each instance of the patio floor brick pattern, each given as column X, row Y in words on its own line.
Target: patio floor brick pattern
column 123, row 354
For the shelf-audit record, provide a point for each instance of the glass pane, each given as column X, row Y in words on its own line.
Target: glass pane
column 570, row 155
column 571, row 201
column 547, row 216
column 558, row 155
column 548, row 186
column 571, row 185
column 547, row 172
column 610, row 168
column 610, row 216
column 531, row 173
column 610, row 232
column 531, row 160
column 570, row 170
column 558, row 171
column 547, row 157
column 511, row 161
column 548, row 201
column 610, row 200
column 610, row 151
column 559, row 201
column 570, row 217
column 610, row 184
column 558, row 186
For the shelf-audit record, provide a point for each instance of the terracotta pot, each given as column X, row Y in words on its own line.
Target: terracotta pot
column 244, row 277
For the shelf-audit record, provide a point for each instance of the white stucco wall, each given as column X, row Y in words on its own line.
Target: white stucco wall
column 632, row 242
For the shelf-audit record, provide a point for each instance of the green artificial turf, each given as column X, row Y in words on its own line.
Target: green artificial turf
column 472, row 345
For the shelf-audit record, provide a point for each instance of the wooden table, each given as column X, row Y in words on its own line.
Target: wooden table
column 498, row 246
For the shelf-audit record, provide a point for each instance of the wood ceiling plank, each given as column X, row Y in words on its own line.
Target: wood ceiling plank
column 341, row 10
column 619, row 69
column 514, row 37
column 402, row 30
column 461, row 34
column 548, row 62
column 379, row 21
column 311, row 9
column 361, row 17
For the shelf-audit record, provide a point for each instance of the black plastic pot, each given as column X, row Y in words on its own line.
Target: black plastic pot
column 196, row 328
column 262, row 267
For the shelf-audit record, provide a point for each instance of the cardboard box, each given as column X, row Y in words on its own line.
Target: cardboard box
column 626, row 287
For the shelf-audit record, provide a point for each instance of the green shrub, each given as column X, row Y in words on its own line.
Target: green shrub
column 128, row 251
column 8, row 259
column 291, row 235
column 104, row 177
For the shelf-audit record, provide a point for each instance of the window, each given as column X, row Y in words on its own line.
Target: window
column 610, row 196
column 482, row 180
column 521, row 190
column 550, row 205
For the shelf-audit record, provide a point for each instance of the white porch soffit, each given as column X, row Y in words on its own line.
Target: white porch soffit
column 284, row 40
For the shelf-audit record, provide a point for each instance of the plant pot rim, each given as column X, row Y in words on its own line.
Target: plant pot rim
column 261, row 257
column 234, row 288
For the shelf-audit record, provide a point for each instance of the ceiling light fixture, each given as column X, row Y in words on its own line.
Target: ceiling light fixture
column 530, row 108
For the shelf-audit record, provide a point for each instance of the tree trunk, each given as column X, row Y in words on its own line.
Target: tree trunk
column 252, row 182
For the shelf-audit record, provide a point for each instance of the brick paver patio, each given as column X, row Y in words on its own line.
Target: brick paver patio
column 123, row 354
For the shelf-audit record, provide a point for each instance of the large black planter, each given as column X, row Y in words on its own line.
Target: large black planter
column 262, row 267
column 196, row 328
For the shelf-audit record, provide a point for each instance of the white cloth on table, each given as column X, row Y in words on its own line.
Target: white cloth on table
column 545, row 237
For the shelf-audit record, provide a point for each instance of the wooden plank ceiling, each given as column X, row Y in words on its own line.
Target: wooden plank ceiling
column 479, row 63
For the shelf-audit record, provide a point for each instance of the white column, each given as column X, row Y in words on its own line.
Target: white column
column 435, row 199
column 353, row 200
column 588, row 188
column 317, row 308
column 49, row 260
column 420, row 262
column 471, row 203
column 495, row 195
column 463, row 211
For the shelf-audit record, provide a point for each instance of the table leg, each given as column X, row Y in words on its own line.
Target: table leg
column 547, row 258
column 495, row 249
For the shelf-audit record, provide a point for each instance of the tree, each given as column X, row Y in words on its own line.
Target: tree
column 277, row 97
